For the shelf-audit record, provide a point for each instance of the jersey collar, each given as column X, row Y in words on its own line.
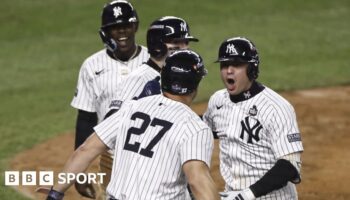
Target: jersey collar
column 153, row 65
column 137, row 52
column 255, row 89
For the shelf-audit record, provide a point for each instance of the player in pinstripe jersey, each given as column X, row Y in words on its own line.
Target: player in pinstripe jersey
column 159, row 142
column 164, row 36
column 260, row 143
column 102, row 72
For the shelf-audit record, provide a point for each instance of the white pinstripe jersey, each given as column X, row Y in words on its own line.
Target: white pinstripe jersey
column 99, row 78
column 254, row 134
column 134, row 84
column 152, row 138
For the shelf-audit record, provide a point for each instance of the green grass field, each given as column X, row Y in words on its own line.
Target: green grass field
column 302, row 44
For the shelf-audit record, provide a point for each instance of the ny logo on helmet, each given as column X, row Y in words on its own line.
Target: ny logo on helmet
column 117, row 11
column 230, row 49
column 183, row 26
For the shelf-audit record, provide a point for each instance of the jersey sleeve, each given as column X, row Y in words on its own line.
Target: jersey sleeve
column 130, row 88
column 207, row 116
column 108, row 129
column 84, row 98
column 285, row 132
column 198, row 145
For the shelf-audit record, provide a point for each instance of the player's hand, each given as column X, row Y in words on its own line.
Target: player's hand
column 51, row 193
column 152, row 87
column 228, row 195
column 245, row 194
column 43, row 190
column 86, row 190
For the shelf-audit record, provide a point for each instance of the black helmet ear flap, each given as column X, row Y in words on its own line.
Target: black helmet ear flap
column 252, row 71
column 109, row 42
column 155, row 43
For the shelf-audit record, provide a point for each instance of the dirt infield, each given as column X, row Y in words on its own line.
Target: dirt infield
column 323, row 117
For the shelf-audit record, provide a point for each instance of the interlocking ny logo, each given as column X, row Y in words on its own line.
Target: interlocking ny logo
column 247, row 95
column 117, row 11
column 253, row 132
column 230, row 49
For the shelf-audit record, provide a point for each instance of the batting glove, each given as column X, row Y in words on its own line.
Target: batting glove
column 245, row 194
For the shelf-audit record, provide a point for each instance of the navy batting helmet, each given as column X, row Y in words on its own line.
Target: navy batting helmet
column 116, row 12
column 240, row 49
column 165, row 30
column 183, row 71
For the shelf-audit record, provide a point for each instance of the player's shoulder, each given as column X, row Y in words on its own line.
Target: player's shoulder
column 143, row 70
column 171, row 110
column 95, row 59
column 188, row 116
column 149, row 101
column 169, row 106
column 274, row 97
column 275, row 100
column 143, row 49
column 143, row 53
column 97, row 55
column 218, row 96
column 138, row 72
column 192, row 122
column 130, row 104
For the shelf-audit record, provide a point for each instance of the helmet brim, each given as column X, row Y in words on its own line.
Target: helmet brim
column 120, row 22
column 181, row 39
column 192, row 39
column 233, row 59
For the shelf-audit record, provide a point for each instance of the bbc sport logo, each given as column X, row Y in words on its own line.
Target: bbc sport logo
column 47, row 178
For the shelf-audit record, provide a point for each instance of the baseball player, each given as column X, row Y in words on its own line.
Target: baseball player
column 164, row 36
column 159, row 142
column 260, row 143
column 102, row 72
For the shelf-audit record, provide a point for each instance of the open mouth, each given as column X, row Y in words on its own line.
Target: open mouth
column 230, row 81
column 122, row 39
column 123, row 42
column 230, row 84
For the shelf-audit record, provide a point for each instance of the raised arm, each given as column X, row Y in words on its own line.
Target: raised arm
column 200, row 180
column 78, row 162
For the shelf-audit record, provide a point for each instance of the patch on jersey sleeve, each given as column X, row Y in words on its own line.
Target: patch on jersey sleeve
column 76, row 92
column 116, row 104
column 295, row 137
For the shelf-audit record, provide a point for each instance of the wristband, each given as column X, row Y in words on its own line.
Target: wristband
column 55, row 195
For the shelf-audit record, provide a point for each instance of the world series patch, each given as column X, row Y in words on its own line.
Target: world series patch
column 295, row 137
column 116, row 104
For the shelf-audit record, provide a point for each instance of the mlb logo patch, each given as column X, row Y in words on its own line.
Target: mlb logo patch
column 295, row 137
